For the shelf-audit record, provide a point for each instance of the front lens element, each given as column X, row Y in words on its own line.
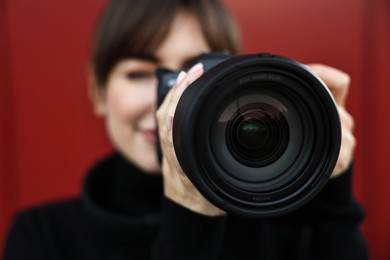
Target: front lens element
column 251, row 133
column 257, row 134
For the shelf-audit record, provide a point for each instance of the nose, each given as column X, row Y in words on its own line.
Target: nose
column 152, row 94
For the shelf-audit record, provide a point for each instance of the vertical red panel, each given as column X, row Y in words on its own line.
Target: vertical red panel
column 48, row 134
column 57, row 135
column 375, row 114
column 8, row 181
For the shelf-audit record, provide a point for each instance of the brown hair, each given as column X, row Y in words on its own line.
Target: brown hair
column 133, row 28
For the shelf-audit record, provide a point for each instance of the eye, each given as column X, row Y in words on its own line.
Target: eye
column 140, row 75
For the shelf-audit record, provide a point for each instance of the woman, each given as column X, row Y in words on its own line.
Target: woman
column 128, row 210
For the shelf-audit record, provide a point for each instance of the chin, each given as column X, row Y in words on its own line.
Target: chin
column 152, row 169
column 149, row 165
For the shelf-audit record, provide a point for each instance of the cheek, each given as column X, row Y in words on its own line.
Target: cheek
column 122, row 103
column 123, row 113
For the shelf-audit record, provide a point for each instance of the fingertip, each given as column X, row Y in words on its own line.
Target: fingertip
column 198, row 67
column 180, row 78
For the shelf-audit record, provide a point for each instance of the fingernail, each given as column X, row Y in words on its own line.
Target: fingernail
column 169, row 122
column 197, row 67
column 180, row 78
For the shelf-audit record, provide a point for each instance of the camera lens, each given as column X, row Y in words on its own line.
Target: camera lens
column 257, row 135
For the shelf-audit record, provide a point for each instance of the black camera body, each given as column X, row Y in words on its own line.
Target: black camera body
column 167, row 78
column 258, row 135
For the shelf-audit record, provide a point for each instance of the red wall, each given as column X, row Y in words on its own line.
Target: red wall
column 49, row 136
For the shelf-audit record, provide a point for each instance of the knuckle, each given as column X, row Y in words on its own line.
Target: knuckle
column 346, row 78
column 346, row 118
column 343, row 80
column 349, row 121
column 159, row 113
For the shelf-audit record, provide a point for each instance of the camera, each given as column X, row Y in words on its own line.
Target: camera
column 257, row 134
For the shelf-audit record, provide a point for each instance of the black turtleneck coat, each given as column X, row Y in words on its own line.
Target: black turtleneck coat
column 122, row 214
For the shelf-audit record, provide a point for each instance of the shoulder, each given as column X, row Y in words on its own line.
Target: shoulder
column 50, row 211
column 41, row 225
column 42, row 218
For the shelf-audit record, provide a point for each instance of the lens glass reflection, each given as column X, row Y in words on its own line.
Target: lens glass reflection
column 257, row 134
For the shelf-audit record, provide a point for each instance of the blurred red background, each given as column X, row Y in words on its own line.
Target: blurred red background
column 49, row 136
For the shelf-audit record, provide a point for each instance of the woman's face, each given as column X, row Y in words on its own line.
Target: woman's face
column 128, row 102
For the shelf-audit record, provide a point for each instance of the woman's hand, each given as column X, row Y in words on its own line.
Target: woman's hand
column 177, row 186
column 338, row 83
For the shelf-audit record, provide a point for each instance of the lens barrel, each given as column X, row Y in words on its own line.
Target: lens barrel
column 258, row 135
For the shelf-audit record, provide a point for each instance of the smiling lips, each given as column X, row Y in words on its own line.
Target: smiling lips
column 149, row 135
